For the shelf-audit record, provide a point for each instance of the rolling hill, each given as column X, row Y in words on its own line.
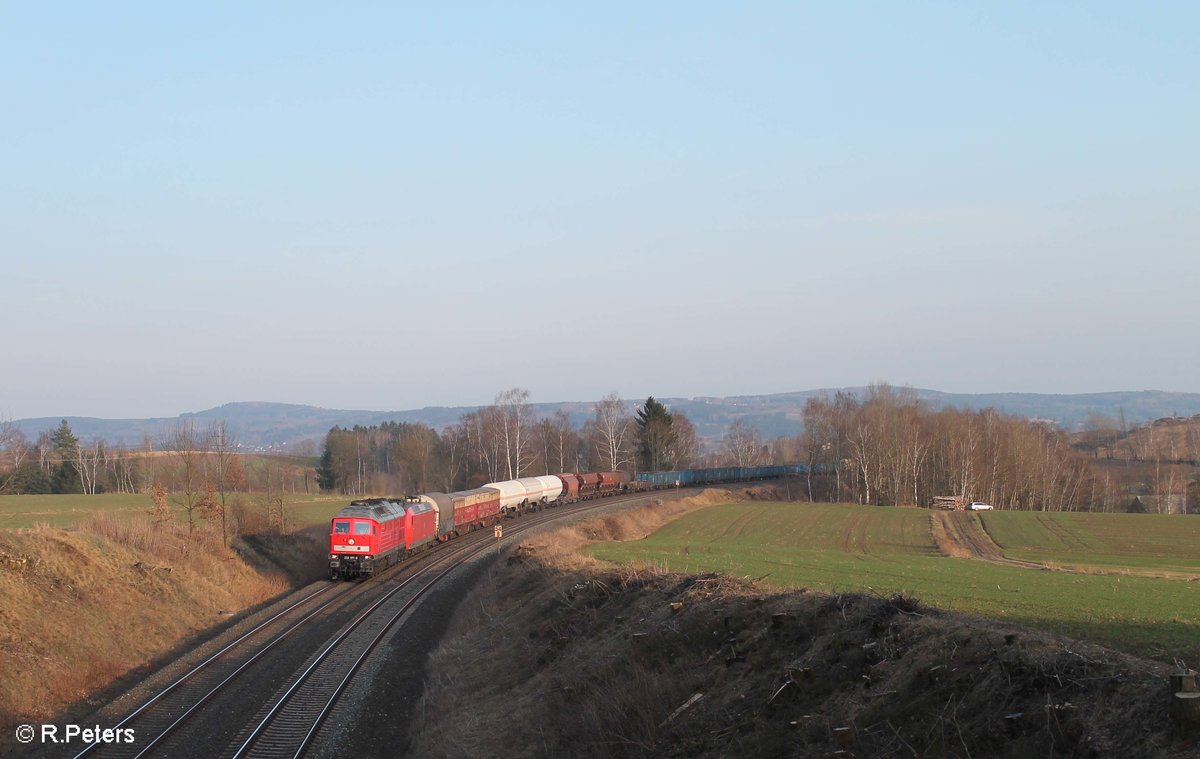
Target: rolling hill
column 264, row 425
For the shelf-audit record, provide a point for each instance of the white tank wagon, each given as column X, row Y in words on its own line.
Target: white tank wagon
column 540, row 491
column 512, row 494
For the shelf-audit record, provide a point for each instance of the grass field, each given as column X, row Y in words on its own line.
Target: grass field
column 1140, row 542
column 884, row 550
column 69, row 510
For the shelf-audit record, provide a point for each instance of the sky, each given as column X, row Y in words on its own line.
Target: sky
column 390, row 206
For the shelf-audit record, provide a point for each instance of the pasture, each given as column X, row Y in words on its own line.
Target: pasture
column 843, row 548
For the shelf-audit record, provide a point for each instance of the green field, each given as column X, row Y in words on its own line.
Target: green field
column 886, row 550
column 69, row 510
column 1140, row 542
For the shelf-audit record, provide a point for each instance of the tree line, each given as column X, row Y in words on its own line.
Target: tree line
column 506, row 440
column 883, row 447
column 198, row 471
column 888, row 447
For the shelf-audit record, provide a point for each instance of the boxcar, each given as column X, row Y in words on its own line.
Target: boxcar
column 474, row 508
column 464, row 510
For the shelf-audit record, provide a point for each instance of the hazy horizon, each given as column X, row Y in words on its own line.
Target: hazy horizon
column 558, row 401
column 395, row 207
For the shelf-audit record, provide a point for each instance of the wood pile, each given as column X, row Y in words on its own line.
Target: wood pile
column 949, row 503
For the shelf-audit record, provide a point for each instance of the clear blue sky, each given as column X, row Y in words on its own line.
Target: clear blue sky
column 380, row 206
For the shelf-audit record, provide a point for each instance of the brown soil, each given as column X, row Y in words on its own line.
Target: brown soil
column 961, row 534
column 555, row 654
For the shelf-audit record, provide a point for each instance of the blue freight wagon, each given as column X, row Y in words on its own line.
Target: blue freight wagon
column 686, row 477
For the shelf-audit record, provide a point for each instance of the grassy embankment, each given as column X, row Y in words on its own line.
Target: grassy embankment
column 82, row 605
column 855, row 548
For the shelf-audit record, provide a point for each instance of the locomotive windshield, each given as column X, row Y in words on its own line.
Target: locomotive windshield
column 362, row 528
column 341, row 528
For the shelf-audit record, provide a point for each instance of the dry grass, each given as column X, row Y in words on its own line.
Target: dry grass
column 555, row 654
column 81, row 607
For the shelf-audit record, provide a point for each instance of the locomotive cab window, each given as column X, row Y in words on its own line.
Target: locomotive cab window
column 341, row 528
column 362, row 528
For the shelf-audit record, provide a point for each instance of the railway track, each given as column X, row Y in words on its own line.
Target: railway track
column 165, row 710
column 292, row 716
column 286, row 728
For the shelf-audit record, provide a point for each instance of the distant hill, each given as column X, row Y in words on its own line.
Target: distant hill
column 265, row 426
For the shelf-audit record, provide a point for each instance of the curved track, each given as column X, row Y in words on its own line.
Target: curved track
column 177, row 720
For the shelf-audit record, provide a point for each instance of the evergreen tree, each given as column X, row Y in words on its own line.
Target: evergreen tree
column 64, row 440
column 65, row 476
column 655, row 436
column 327, row 477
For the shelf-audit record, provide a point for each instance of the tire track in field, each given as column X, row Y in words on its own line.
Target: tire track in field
column 854, row 539
column 1063, row 533
column 962, row 534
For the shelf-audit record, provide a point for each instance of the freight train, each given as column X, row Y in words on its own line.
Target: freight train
column 372, row 534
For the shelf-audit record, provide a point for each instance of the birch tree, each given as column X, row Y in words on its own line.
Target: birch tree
column 612, row 431
column 86, row 461
column 516, row 419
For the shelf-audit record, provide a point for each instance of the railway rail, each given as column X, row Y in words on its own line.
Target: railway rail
column 287, row 727
column 289, row 723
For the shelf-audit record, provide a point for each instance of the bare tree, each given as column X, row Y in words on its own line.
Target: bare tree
column 561, row 442
column 454, row 442
column 223, row 443
column 14, row 448
column 185, row 446
column 685, row 449
column 613, row 430
column 743, row 445
column 272, row 494
column 516, row 418
column 86, row 461
column 485, row 442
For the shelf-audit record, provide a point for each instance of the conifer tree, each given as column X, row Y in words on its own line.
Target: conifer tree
column 655, row 436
